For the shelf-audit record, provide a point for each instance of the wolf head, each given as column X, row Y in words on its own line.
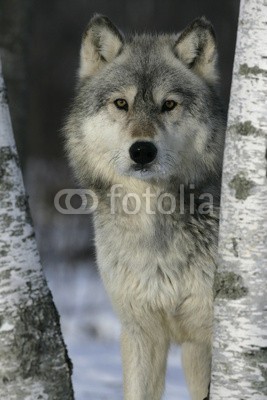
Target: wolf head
column 146, row 107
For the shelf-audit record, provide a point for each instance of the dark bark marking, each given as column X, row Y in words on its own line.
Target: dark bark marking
column 245, row 129
column 229, row 285
column 245, row 70
column 258, row 358
column 235, row 246
column 242, row 186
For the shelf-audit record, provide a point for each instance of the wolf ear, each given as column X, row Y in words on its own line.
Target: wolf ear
column 101, row 43
column 196, row 48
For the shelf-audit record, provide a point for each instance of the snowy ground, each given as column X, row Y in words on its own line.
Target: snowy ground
column 91, row 332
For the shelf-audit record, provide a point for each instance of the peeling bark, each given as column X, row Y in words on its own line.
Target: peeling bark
column 240, row 326
column 34, row 360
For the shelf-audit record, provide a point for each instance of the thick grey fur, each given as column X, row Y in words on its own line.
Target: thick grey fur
column 158, row 269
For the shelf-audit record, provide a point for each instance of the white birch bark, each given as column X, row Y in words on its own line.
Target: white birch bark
column 33, row 359
column 240, row 331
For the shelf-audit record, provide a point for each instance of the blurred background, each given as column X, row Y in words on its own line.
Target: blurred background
column 39, row 47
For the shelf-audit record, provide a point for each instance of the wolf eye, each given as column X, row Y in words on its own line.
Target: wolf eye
column 121, row 104
column 168, row 105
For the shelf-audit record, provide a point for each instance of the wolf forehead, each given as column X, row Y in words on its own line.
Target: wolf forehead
column 183, row 62
column 144, row 76
column 148, row 80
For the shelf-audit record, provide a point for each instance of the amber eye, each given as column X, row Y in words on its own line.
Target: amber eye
column 168, row 105
column 121, row 104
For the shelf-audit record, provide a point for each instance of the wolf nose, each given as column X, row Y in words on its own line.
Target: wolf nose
column 143, row 152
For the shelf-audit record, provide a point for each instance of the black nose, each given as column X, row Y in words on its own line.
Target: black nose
column 143, row 152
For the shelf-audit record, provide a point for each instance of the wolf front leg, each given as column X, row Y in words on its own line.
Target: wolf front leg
column 144, row 360
column 197, row 368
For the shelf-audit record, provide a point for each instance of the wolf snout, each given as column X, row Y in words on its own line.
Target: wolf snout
column 143, row 152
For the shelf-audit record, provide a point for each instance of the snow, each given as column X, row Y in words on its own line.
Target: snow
column 91, row 331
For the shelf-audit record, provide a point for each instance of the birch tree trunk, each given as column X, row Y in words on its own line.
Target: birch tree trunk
column 33, row 358
column 15, row 37
column 240, row 332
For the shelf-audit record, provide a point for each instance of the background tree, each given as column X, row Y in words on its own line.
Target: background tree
column 15, row 35
column 34, row 361
column 240, row 337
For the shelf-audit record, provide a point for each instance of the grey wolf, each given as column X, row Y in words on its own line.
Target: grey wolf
column 147, row 116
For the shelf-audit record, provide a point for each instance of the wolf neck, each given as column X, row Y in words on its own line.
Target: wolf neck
column 130, row 194
column 172, row 185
